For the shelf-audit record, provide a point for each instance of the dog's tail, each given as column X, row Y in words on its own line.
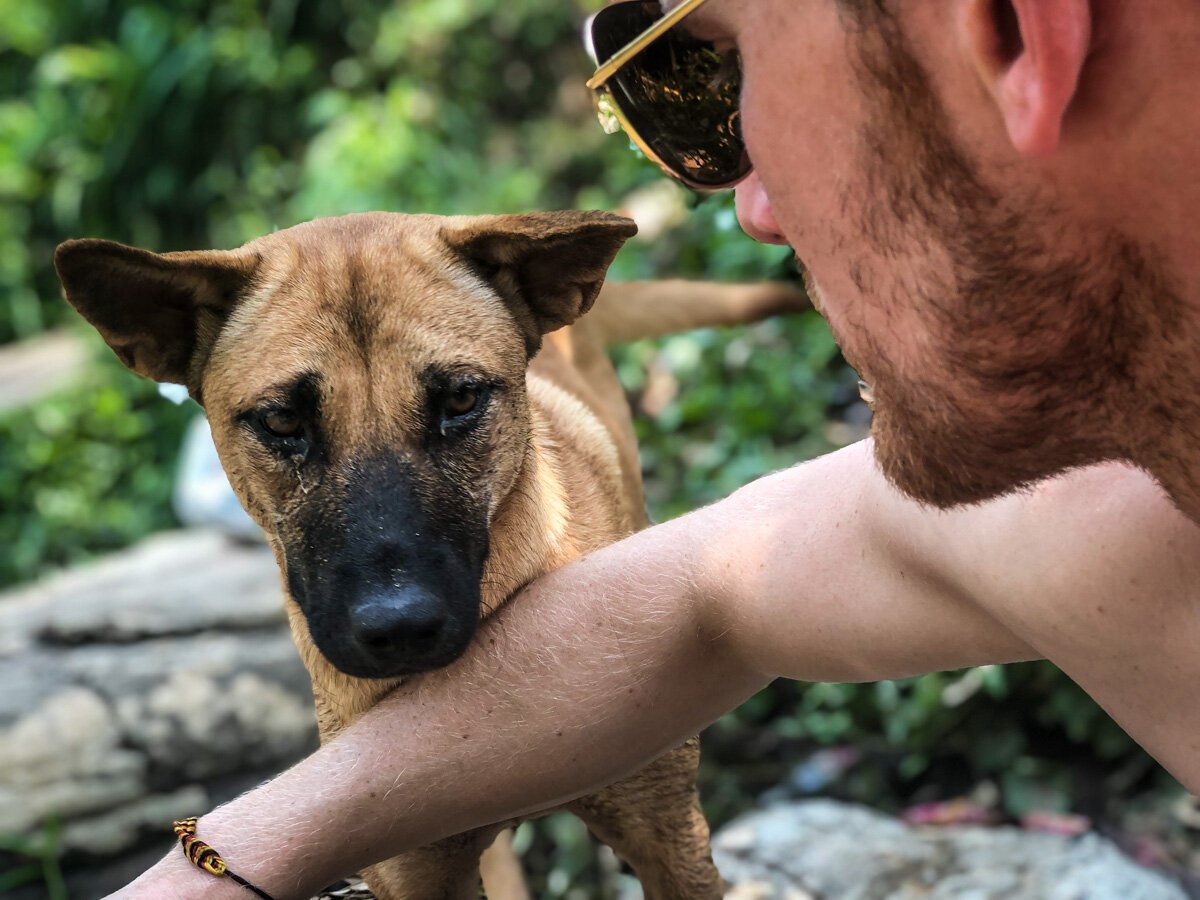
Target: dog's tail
column 627, row 311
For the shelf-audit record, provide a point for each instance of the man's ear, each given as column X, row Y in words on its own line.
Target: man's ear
column 159, row 312
column 1030, row 55
column 548, row 267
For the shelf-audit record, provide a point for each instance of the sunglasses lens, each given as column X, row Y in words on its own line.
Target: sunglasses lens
column 678, row 94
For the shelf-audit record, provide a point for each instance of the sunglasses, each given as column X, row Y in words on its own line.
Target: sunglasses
column 675, row 96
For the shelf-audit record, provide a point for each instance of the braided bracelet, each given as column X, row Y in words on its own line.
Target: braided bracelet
column 206, row 859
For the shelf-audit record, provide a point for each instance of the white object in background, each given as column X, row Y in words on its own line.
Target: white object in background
column 202, row 492
column 176, row 393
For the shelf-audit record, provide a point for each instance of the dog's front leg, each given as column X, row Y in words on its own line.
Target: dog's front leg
column 446, row 870
column 653, row 821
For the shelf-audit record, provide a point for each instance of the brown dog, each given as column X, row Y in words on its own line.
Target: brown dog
column 378, row 398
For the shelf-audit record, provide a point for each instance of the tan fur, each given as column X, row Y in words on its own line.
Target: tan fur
column 562, row 474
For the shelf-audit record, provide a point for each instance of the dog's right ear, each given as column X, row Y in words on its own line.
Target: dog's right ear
column 547, row 266
column 159, row 312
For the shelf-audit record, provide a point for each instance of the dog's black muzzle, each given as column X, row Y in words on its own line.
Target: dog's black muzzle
column 387, row 576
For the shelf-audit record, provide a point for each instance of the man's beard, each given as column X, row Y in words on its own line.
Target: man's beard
column 1033, row 358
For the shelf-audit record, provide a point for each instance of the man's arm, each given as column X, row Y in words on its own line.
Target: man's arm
column 599, row 667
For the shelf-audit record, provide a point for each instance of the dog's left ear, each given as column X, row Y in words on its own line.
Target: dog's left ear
column 548, row 267
column 159, row 312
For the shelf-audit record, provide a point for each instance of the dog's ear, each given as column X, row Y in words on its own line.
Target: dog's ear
column 159, row 312
column 548, row 267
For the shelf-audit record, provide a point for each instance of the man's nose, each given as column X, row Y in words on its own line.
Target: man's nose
column 754, row 212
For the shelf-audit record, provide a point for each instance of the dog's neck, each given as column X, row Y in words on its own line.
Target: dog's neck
column 531, row 530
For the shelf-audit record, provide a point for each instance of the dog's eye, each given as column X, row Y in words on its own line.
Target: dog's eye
column 460, row 401
column 282, row 423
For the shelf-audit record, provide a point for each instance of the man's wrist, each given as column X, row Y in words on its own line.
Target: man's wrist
column 173, row 876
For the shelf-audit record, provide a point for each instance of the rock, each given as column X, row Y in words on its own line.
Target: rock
column 823, row 849
column 151, row 685
column 108, row 834
column 33, row 368
column 64, row 759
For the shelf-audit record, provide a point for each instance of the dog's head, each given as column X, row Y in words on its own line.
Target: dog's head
column 364, row 378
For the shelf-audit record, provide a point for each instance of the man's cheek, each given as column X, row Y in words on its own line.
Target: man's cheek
column 832, row 312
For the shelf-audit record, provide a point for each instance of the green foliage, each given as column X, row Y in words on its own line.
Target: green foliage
column 742, row 403
column 208, row 123
column 33, row 860
column 85, row 471
column 1026, row 727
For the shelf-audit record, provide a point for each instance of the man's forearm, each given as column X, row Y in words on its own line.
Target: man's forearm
column 589, row 674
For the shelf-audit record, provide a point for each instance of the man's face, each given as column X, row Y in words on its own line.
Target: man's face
column 996, row 323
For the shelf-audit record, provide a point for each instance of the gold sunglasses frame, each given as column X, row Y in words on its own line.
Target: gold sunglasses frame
column 608, row 110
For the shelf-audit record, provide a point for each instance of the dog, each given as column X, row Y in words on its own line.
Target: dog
column 414, row 411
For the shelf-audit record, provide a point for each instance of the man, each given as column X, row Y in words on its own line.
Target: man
column 995, row 205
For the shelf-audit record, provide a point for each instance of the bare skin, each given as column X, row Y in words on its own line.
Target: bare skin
column 1024, row 302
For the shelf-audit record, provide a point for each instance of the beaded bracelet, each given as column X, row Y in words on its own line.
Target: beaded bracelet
column 206, row 859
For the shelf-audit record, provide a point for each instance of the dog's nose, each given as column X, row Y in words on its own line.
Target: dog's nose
column 407, row 622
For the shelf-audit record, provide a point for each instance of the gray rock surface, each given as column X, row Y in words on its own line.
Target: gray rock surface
column 31, row 369
column 824, row 850
column 146, row 687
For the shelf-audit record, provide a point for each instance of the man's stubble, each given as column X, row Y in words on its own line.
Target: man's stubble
column 1038, row 342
